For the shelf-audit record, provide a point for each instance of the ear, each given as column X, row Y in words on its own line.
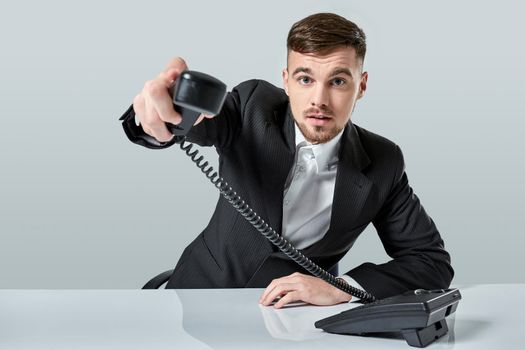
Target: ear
column 285, row 80
column 362, row 85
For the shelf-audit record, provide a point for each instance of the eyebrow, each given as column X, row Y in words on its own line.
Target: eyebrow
column 336, row 71
column 302, row 70
column 341, row 70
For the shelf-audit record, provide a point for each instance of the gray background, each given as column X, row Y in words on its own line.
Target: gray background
column 81, row 207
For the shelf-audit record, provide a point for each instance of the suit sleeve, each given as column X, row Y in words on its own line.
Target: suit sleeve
column 411, row 238
column 219, row 131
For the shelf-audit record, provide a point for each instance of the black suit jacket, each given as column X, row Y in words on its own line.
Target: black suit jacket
column 255, row 138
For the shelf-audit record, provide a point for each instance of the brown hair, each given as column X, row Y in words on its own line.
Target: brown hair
column 322, row 32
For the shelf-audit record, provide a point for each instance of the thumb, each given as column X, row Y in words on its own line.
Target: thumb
column 177, row 63
column 169, row 76
column 172, row 71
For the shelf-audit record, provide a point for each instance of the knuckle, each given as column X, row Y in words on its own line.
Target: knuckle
column 279, row 288
column 150, row 120
column 166, row 75
column 156, row 127
column 156, row 90
column 148, row 84
column 168, row 115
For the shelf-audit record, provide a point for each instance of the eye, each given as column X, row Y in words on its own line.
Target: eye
column 304, row 80
column 338, row 82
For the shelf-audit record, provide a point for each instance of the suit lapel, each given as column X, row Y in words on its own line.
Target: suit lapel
column 279, row 132
column 351, row 186
column 288, row 127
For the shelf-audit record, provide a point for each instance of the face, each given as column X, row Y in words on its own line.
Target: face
column 323, row 90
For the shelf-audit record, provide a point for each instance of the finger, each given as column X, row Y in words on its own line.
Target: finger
column 138, row 107
column 269, row 289
column 177, row 63
column 147, row 130
column 161, row 133
column 293, row 278
column 288, row 298
column 158, row 98
column 278, row 291
column 199, row 119
column 164, row 106
column 156, row 126
column 168, row 77
column 202, row 117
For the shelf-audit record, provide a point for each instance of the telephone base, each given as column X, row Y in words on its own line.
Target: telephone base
column 423, row 336
column 419, row 316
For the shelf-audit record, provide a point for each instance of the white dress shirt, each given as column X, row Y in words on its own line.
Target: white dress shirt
column 309, row 192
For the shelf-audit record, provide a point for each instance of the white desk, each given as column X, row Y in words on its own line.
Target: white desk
column 488, row 317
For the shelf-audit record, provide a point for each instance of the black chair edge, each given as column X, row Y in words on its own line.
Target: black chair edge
column 157, row 281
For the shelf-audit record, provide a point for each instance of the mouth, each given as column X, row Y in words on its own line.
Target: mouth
column 318, row 119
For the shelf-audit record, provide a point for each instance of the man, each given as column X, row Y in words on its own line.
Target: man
column 312, row 174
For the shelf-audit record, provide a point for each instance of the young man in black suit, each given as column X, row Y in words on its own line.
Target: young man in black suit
column 295, row 156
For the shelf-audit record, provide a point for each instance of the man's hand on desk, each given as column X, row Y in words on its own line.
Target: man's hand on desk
column 300, row 287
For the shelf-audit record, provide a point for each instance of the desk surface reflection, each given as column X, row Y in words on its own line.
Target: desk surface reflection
column 228, row 318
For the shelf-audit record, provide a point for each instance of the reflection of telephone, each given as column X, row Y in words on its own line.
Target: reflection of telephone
column 420, row 314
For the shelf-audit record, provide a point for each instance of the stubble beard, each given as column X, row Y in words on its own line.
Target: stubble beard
column 318, row 134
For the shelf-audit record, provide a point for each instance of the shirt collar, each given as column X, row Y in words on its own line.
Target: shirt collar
column 325, row 153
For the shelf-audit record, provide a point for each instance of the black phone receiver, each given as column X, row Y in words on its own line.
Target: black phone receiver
column 195, row 93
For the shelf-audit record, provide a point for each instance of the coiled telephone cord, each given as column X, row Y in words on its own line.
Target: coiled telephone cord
column 249, row 214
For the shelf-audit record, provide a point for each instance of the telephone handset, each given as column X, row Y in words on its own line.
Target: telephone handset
column 419, row 315
column 195, row 93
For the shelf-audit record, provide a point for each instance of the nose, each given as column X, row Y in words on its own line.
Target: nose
column 320, row 97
